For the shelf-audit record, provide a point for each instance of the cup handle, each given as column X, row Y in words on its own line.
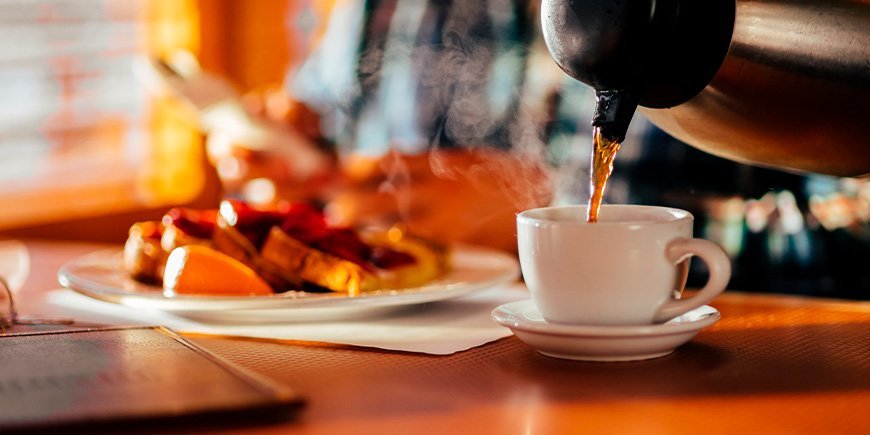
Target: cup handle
column 720, row 272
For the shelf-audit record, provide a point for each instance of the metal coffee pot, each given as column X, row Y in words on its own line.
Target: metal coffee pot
column 777, row 83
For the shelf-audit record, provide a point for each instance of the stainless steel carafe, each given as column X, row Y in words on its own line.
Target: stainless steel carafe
column 778, row 83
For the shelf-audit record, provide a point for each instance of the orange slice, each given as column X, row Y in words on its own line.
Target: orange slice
column 199, row 270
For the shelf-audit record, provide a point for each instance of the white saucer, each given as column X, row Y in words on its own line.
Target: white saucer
column 598, row 342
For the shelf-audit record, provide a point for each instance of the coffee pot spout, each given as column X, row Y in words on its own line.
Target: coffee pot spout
column 613, row 112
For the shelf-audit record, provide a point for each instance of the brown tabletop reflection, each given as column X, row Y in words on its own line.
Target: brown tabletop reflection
column 773, row 364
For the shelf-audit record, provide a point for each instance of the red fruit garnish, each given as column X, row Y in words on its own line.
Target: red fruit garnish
column 240, row 214
column 256, row 222
column 196, row 223
column 344, row 243
column 253, row 223
column 303, row 221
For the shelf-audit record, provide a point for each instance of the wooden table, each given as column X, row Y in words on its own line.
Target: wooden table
column 773, row 364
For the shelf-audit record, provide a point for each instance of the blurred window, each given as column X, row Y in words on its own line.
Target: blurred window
column 78, row 135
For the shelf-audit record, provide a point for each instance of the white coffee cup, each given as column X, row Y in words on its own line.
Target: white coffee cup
column 626, row 269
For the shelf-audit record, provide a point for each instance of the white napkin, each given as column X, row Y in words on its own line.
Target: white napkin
column 439, row 328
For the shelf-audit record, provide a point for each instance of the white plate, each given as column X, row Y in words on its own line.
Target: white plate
column 100, row 275
column 601, row 343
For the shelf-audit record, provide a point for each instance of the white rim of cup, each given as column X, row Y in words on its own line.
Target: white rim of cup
column 678, row 215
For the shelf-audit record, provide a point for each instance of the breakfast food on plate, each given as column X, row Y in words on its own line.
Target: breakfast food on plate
column 285, row 247
column 344, row 260
column 197, row 269
column 144, row 258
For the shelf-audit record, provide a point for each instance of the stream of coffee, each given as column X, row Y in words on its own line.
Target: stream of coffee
column 603, row 152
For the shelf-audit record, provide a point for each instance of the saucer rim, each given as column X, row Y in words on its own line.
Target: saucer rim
column 508, row 315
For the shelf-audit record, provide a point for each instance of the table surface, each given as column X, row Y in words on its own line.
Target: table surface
column 773, row 364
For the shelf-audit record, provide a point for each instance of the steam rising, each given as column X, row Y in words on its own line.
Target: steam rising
column 433, row 76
